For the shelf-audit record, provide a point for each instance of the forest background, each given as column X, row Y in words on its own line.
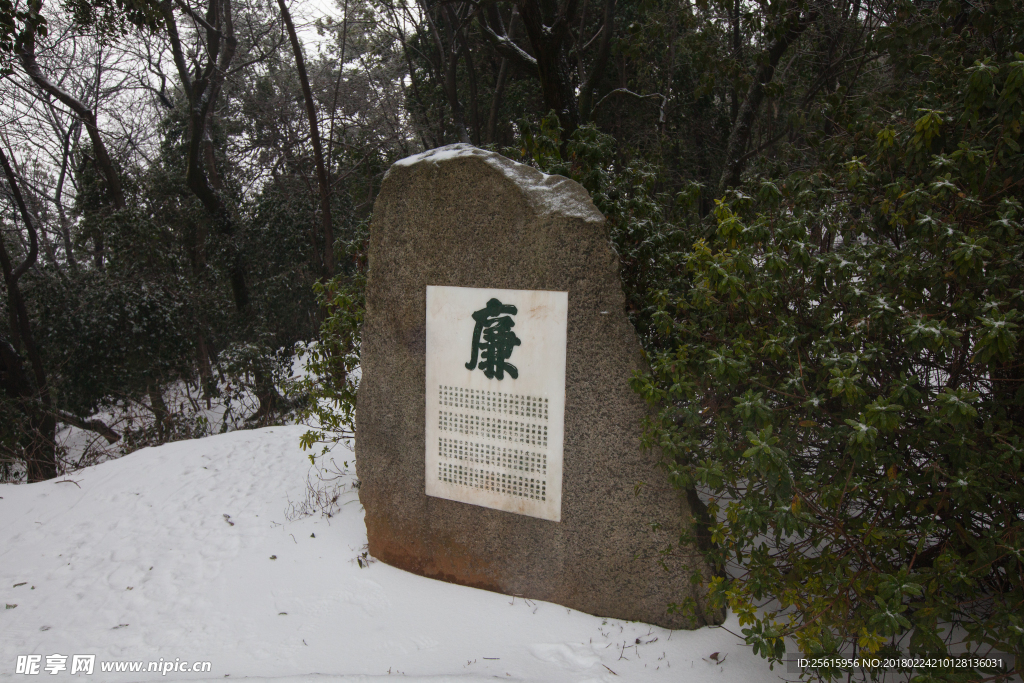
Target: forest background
column 816, row 207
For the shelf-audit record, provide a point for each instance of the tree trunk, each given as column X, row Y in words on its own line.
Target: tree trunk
column 161, row 416
column 499, row 93
column 34, row 402
column 26, row 49
column 205, row 368
column 740, row 136
column 474, row 109
column 549, row 46
column 549, row 62
column 314, row 134
column 202, row 93
column 734, row 19
column 600, row 62
column 450, row 63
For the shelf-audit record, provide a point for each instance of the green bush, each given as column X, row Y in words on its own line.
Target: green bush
column 840, row 369
column 327, row 392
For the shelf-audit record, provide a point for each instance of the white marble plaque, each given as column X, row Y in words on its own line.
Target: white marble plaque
column 496, row 398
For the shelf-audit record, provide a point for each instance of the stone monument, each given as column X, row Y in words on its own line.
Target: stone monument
column 497, row 437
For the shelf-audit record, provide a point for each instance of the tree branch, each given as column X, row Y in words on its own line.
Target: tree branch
column 597, row 68
column 19, row 200
column 740, row 135
column 196, row 17
column 314, row 133
column 27, row 52
column 505, row 47
column 89, row 425
column 627, row 91
column 176, row 51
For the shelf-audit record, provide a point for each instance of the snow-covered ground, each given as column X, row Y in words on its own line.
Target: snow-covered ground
column 192, row 552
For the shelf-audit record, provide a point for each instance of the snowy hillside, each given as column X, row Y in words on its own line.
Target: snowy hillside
column 191, row 552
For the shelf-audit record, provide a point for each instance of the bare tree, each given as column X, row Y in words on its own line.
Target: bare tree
column 27, row 53
column 35, row 403
column 211, row 64
column 314, row 133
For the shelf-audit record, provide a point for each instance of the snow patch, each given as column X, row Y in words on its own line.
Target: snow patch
column 572, row 656
column 185, row 552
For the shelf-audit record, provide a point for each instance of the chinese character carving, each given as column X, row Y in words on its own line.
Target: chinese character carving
column 494, row 340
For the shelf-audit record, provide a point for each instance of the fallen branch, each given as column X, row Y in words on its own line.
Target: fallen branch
column 90, row 425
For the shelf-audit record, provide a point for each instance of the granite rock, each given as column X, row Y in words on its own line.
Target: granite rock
column 461, row 216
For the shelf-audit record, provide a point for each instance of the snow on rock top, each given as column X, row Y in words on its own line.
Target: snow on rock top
column 548, row 194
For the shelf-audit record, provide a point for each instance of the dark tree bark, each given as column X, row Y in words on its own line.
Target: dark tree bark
column 450, row 19
column 32, row 398
column 201, row 174
column 27, row 53
column 89, row 425
column 318, row 153
column 161, row 415
column 65, row 222
column 474, row 109
column 26, row 49
column 549, row 43
column 34, row 401
column 202, row 93
column 496, row 98
column 600, row 62
column 205, row 368
column 739, row 138
column 547, row 28
column 734, row 19
column 499, row 85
